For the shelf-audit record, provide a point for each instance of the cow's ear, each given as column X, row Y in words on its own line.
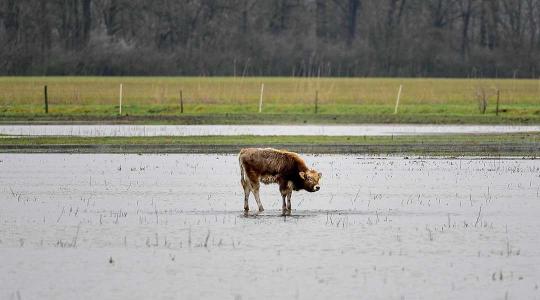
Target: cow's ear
column 320, row 174
column 302, row 175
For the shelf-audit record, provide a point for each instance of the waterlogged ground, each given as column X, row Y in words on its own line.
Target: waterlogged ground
column 171, row 227
column 264, row 130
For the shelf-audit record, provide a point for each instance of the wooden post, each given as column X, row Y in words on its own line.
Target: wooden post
column 397, row 100
column 120, row 99
column 261, row 98
column 45, row 94
column 514, row 86
column 498, row 97
column 181, row 103
column 316, row 101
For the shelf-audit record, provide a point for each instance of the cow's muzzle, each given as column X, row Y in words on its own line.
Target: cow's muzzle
column 317, row 188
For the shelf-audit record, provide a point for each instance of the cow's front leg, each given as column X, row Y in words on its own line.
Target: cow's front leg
column 284, row 206
column 289, row 194
column 284, row 189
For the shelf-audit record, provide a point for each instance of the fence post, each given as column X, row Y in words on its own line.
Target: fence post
column 120, row 99
column 46, row 96
column 261, row 98
column 397, row 100
column 498, row 97
column 181, row 103
column 316, row 101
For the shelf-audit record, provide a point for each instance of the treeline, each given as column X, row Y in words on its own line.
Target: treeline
column 455, row 38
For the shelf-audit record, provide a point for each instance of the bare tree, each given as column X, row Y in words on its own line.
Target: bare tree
column 274, row 37
column 350, row 9
column 466, row 11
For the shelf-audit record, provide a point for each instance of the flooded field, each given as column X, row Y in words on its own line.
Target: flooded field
column 264, row 130
column 171, row 226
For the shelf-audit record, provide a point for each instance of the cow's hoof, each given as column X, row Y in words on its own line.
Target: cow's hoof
column 261, row 209
column 246, row 212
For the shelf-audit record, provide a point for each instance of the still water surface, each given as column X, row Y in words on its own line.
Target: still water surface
column 262, row 130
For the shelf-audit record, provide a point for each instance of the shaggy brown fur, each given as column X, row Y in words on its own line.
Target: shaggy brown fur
column 268, row 165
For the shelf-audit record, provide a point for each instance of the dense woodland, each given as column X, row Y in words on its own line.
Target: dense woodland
column 454, row 38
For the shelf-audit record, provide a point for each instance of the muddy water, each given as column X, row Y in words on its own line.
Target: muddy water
column 170, row 226
column 195, row 130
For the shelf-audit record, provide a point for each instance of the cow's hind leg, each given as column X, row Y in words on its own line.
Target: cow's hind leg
column 247, row 190
column 257, row 197
column 254, row 185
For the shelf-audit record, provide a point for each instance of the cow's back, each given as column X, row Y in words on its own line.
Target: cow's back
column 270, row 161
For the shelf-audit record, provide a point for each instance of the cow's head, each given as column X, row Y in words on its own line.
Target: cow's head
column 311, row 180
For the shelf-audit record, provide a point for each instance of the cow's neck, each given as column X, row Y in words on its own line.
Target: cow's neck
column 298, row 182
column 298, row 185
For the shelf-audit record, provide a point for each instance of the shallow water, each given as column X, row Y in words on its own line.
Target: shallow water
column 171, row 226
column 265, row 130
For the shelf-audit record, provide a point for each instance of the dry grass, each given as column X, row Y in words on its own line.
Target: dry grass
column 234, row 91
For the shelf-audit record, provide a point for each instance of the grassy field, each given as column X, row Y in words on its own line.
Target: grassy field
column 454, row 145
column 286, row 100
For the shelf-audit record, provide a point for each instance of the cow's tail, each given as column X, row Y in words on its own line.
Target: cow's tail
column 242, row 170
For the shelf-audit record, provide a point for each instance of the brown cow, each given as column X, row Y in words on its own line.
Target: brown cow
column 269, row 165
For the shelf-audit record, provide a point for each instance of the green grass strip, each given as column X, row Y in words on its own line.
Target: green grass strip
column 283, row 140
column 516, row 145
